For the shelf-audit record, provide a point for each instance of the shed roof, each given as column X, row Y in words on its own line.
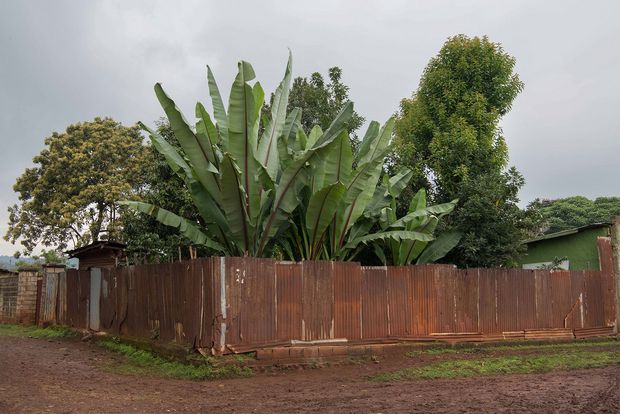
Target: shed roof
column 101, row 245
column 568, row 232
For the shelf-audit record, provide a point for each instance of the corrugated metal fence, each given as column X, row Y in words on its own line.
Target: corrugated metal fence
column 236, row 303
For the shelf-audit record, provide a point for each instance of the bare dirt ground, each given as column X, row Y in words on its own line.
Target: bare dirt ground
column 60, row 376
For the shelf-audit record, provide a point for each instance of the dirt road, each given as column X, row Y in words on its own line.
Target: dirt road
column 59, row 376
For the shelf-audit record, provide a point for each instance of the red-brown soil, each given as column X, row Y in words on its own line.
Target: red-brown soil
column 59, row 376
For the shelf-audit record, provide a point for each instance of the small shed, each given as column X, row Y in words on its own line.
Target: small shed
column 577, row 248
column 101, row 254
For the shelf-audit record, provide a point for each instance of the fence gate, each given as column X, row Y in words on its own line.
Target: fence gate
column 95, row 296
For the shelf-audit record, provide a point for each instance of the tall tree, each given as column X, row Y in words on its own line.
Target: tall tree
column 321, row 101
column 70, row 194
column 571, row 212
column 448, row 133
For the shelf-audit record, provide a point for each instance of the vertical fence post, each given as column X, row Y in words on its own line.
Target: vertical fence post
column 615, row 244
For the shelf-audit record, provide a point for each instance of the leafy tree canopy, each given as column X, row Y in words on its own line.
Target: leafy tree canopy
column 448, row 133
column 71, row 192
column 567, row 213
column 321, row 101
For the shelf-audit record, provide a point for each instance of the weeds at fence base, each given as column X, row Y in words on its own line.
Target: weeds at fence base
column 36, row 332
column 140, row 362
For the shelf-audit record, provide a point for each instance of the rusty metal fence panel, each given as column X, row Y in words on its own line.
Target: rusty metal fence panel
column 236, row 303
column 374, row 299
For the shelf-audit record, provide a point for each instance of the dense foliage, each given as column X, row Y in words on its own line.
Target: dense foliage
column 147, row 239
column 577, row 211
column 71, row 193
column 263, row 189
column 448, row 134
column 321, row 101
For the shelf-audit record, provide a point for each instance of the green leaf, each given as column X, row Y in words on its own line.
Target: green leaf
column 376, row 146
column 234, row 205
column 418, row 202
column 399, row 181
column 359, row 193
column 185, row 227
column 242, row 137
column 371, row 133
column 320, row 212
column 207, row 134
column 333, row 163
column 314, row 135
column 170, row 154
column 437, row 209
column 193, row 148
column 268, row 146
column 410, row 250
column 440, row 247
column 219, row 109
column 397, row 235
column 337, row 125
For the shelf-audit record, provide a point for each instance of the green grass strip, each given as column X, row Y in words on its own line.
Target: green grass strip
column 35, row 331
column 514, row 364
column 523, row 347
column 139, row 361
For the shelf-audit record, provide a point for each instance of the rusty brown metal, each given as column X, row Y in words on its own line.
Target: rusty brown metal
column 236, row 304
column 347, row 280
column 374, row 301
column 288, row 300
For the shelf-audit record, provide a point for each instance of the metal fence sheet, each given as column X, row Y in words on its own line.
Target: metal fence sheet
column 244, row 302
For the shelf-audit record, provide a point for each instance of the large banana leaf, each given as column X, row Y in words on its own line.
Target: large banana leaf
column 438, row 210
column 333, row 164
column 397, row 235
column 320, row 213
column 219, row 110
column 289, row 133
column 242, row 127
column 440, row 247
column 336, row 127
column 185, row 227
column 234, row 205
column 207, row 134
column 359, row 192
column 409, row 250
column 268, row 146
column 377, row 146
column 193, row 148
column 369, row 137
column 294, row 176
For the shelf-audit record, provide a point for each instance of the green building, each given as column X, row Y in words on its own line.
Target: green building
column 577, row 247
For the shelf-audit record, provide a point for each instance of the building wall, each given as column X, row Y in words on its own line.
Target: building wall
column 27, row 297
column 580, row 249
column 8, row 297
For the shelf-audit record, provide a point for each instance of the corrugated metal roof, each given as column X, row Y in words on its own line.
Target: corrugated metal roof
column 568, row 232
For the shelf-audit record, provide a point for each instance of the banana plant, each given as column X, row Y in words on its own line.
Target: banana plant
column 244, row 192
column 258, row 188
column 420, row 219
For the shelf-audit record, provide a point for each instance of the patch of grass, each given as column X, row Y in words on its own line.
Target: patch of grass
column 144, row 362
column 523, row 347
column 513, row 364
column 36, row 332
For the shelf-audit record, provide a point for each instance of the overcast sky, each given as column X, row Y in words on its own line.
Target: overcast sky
column 68, row 61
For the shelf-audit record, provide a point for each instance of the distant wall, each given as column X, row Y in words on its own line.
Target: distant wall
column 8, row 297
column 27, row 294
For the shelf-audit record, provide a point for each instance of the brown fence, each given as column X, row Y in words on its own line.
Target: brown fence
column 8, row 297
column 242, row 303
